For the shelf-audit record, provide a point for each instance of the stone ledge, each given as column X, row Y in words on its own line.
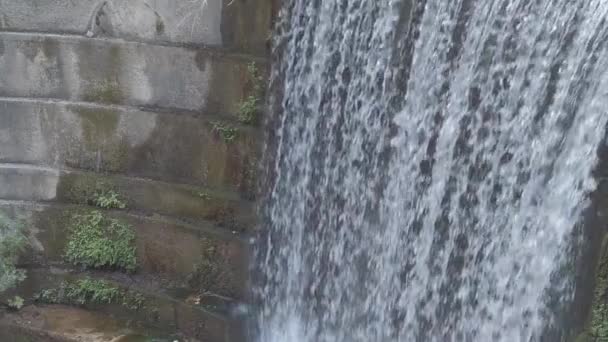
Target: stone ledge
column 58, row 323
column 120, row 72
column 184, row 202
column 15, row 329
column 173, row 148
column 241, row 25
column 159, row 314
column 165, row 249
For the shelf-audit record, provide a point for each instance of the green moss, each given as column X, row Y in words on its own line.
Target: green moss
column 107, row 148
column 117, row 155
column 248, row 108
column 79, row 188
column 12, row 244
column 584, row 337
column 91, row 292
column 104, row 92
column 90, row 190
column 227, row 132
column 108, row 89
column 250, row 176
column 598, row 326
column 213, row 273
column 98, row 125
column 96, row 241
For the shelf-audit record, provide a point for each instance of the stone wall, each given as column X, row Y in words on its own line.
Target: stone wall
column 141, row 98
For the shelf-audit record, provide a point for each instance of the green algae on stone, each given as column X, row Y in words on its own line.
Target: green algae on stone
column 96, row 241
column 104, row 92
column 213, row 273
column 98, row 124
column 100, row 134
column 597, row 329
column 108, row 89
column 12, row 244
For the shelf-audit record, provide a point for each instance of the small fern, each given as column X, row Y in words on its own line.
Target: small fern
column 99, row 242
column 91, row 291
column 227, row 132
column 109, row 199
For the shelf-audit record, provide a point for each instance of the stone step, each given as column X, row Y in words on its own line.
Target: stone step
column 59, row 323
column 197, row 205
column 165, row 248
column 116, row 139
column 113, row 71
column 147, row 308
column 239, row 25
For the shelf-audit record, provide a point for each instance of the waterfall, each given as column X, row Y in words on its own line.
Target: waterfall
column 427, row 167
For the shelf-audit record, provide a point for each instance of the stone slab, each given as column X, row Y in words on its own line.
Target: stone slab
column 119, row 72
column 188, row 203
column 162, row 146
column 159, row 315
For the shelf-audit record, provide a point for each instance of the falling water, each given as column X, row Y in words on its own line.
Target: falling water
column 428, row 165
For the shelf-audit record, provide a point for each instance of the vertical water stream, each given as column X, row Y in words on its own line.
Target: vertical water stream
column 428, row 166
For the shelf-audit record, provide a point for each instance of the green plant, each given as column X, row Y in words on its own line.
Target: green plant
column 204, row 195
column 227, row 132
column 16, row 303
column 12, row 244
column 99, row 242
column 248, row 108
column 133, row 301
column 90, row 292
column 109, row 199
column 93, row 191
column 93, row 291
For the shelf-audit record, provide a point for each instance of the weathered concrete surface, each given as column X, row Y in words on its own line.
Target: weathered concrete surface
column 23, row 182
column 62, row 323
column 237, row 24
column 175, row 148
column 117, row 72
column 188, row 203
column 165, row 248
column 247, row 25
column 160, row 314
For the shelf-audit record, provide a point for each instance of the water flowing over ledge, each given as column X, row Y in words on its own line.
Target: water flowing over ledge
column 429, row 167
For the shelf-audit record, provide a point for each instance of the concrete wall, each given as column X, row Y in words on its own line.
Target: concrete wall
column 130, row 94
column 240, row 25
